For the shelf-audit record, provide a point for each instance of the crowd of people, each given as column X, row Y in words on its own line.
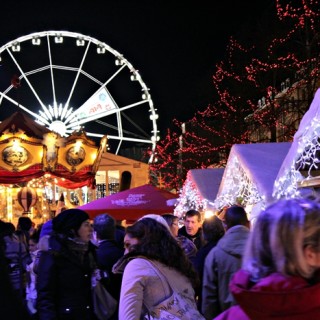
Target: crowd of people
column 216, row 268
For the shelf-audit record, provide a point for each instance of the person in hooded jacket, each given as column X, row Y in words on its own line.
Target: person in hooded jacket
column 64, row 270
column 222, row 262
column 279, row 278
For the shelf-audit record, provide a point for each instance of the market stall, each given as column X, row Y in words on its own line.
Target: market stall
column 250, row 174
column 299, row 173
column 199, row 190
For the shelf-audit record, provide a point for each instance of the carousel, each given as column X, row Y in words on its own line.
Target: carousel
column 38, row 167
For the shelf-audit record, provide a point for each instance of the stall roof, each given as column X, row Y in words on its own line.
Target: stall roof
column 256, row 163
column 199, row 190
column 303, row 154
column 207, row 181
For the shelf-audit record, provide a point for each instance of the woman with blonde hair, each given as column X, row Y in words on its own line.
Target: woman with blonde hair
column 279, row 275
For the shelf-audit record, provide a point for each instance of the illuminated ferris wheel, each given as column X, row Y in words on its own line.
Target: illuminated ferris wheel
column 68, row 81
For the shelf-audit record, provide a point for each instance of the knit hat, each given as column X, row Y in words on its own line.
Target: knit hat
column 70, row 219
column 158, row 218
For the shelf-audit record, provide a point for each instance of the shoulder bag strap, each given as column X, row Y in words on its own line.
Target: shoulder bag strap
column 163, row 280
column 161, row 275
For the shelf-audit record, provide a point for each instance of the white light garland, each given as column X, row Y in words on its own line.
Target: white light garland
column 190, row 198
column 286, row 186
column 237, row 187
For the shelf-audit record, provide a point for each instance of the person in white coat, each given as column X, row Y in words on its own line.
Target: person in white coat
column 149, row 243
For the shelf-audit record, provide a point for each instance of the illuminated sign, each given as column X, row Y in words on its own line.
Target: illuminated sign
column 99, row 103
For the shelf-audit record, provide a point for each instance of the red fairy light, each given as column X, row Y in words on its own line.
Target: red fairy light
column 247, row 75
column 15, row 81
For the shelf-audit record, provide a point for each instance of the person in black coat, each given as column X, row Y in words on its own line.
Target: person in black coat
column 11, row 304
column 64, row 271
column 213, row 230
column 109, row 252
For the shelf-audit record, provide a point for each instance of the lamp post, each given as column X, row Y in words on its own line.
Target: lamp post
column 180, row 165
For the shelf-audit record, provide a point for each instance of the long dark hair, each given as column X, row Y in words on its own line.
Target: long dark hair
column 157, row 243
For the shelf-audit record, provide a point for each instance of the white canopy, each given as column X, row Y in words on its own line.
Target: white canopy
column 207, row 181
column 250, row 173
column 199, row 189
column 302, row 154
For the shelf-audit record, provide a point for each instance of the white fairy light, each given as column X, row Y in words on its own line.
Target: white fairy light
column 237, row 185
column 286, row 186
column 190, row 198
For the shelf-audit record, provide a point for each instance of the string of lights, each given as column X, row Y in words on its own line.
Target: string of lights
column 263, row 90
column 304, row 156
column 238, row 188
column 189, row 197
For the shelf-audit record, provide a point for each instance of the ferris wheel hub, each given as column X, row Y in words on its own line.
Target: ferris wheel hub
column 59, row 127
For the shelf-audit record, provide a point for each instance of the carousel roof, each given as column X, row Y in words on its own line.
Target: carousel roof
column 19, row 120
column 29, row 151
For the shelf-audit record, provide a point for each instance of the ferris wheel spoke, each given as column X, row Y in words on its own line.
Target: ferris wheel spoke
column 78, row 73
column 135, row 125
column 51, row 72
column 22, row 107
column 114, row 75
column 126, row 132
column 120, row 131
column 26, row 79
column 111, row 137
column 118, row 147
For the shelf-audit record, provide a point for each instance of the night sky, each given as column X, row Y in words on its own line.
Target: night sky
column 174, row 44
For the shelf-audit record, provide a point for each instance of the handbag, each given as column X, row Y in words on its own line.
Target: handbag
column 104, row 305
column 178, row 306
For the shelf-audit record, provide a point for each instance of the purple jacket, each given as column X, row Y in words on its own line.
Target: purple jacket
column 46, row 229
